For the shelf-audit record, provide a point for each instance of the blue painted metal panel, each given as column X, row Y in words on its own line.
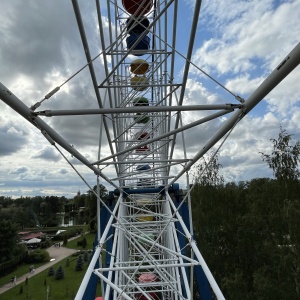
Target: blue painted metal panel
column 91, row 288
column 90, row 291
column 200, row 277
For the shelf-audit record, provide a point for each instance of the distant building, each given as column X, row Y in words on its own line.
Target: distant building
column 26, row 235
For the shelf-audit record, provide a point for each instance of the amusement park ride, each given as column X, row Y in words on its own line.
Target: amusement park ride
column 145, row 247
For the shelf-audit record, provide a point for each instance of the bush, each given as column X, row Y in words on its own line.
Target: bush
column 37, row 256
column 21, row 290
column 65, row 239
column 86, row 256
column 45, row 244
column 92, row 225
column 84, row 242
column 51, row 272
column 59, row 274
column 79, row 263
column 10, row 265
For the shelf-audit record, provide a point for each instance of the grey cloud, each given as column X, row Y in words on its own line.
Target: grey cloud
column 48, row 154
column 32, row 35
column 63, row 171
column 12, row 139
column 19, row 170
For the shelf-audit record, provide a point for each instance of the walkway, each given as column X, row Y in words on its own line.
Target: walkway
column 57, row 253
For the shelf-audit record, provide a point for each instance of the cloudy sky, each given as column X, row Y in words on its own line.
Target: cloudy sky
column 238, row 42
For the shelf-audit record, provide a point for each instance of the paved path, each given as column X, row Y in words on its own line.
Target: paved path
column 57, row 253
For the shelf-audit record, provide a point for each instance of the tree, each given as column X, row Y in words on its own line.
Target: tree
column 284, row 157
column 51, row 271
column 8, row 240
column 207, row 173
column 91, row 201
column 59, row 274
column 79, row 263
column 21, row 290
column 83, row 242
column 65, row 240
column 67, row 262
column 86, row 256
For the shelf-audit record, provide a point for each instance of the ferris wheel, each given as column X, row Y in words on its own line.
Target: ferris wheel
column 145, row 247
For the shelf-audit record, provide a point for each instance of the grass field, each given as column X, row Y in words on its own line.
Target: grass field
column 24, row 269
column 36, row 289
column 90, row 237
column 64, row 289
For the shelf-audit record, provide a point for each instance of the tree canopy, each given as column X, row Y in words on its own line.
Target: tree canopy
column 248, row 232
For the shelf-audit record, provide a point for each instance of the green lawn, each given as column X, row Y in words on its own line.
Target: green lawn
column 64, row 289
column 90, row 237
column 24, row 269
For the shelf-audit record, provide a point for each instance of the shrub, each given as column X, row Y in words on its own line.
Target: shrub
column 21, row 289
column 79, row 263
column 45, row 244
column 86, row 256
column 92, row 225
column 84, row 242
column 37, row 256
column 59, row 274
column 10, row 265
column 51, row 272
column 65, row 239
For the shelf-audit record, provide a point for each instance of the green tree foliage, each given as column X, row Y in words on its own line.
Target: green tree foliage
column 249, row 232
column 80, row 200
column 37, row 256
column 5, row 202
column 84, row 242
column 51, row 271
column 86, row 256
column 67, row 262
column 79, row 263
column 45, row 211
column 21, row 290
column 284, row 157
column 207, row 172
column 8, row 240
column 91, row 201
column 59, row 274
column 93, row 225
column 65, row 240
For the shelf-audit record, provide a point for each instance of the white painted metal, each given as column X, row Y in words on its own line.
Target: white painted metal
column 145, row 224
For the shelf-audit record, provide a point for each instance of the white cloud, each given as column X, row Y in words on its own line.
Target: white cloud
column 250, row 37
column 242, row 41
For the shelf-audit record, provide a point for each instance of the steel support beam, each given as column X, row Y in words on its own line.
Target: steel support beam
column 136, row 109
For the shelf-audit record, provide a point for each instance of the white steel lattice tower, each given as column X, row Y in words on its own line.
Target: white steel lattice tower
column 145, row 247
column 146, row 259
